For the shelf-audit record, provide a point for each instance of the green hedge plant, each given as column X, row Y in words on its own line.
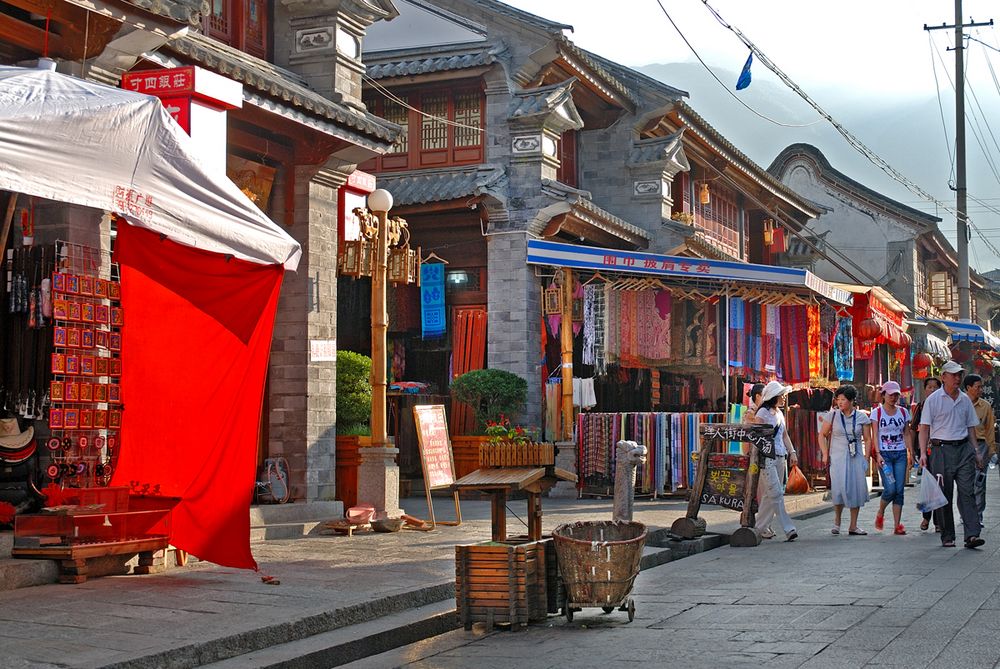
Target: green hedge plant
column 354, row 393
column 492, row 394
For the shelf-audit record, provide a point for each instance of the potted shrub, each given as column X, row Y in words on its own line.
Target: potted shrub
column 492, row 394
column 354, row 410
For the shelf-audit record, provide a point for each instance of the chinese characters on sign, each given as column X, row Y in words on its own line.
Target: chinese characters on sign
column 672, row 265
column 432, row 300
column 761, row 436
column 435, row 447
column 131, row 202
column 160, row 82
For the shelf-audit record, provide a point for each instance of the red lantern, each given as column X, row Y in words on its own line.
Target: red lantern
column 869, row 329
column 904, row 340
column 921, row 361
column 920, row 373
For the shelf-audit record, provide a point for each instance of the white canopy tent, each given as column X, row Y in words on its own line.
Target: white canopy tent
column 64, row 138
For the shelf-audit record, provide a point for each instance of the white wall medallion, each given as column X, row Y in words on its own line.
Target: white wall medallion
column 526, row 144
column 645, row 187
column 314, row 39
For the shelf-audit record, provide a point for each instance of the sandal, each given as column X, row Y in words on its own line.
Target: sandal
column 924, row 524
column 857, row 532
column 879, row 522
column 835, row 530
column 974, row 542
column 899, row 529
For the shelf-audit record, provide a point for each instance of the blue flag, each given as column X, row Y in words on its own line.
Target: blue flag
column 744, row 79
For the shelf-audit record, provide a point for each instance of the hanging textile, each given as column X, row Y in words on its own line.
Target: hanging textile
column 794, row 344
column 827, row 325
column 589, row 324
column 771, row 326
column 737, row 323
column 653, row 327
column 432, row 319
column 843, row 351
column 815, row 351
column 711, row 353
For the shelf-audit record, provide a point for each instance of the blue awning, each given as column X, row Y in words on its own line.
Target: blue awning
column 557, row 254
column 971, row 332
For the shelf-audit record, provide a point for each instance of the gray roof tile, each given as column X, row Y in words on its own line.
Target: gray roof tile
column 441, row 185
column 279, row 83
column 184, row 11
column 541, row 100
column 412, row 62
column 658, row 150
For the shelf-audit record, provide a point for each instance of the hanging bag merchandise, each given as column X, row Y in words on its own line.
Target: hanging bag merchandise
column 931, row 495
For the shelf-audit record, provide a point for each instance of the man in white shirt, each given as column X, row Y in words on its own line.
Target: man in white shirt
column 948, row 423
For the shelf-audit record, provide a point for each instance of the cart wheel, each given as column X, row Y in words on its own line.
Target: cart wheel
column 568, row 612
column 631, row 610
column 607, row 609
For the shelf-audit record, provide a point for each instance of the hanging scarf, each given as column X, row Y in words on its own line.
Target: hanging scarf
column 812, row 313
column 737, row 340
column 843, row 351
column 589, row 324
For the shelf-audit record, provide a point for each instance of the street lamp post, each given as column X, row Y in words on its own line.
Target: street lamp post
column 379, row 202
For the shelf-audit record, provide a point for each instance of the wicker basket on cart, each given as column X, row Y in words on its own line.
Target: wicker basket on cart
column 598, row 562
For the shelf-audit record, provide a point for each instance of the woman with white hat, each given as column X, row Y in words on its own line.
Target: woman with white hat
column 842, row 444
column 774, row 471
column 891, row 427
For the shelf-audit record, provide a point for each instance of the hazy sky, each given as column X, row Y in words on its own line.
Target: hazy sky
column 844, row 54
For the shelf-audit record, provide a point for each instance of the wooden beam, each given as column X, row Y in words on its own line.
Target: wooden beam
column 27, row 36
column 264, row 148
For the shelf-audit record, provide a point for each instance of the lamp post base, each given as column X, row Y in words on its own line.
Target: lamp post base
column 378, row 481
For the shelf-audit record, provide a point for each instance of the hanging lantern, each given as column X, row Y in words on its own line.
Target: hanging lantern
column 704, row 196
column 768, row 231
column 920, row 373
column 904, row 340
column 553, row 300
column 921, row 361
column 350, row 258
column 369, row 251
column 869, row 329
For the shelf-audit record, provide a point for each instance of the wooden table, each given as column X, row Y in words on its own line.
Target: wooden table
column 500, row 481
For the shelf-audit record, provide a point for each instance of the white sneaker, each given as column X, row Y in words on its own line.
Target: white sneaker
column 835, row 529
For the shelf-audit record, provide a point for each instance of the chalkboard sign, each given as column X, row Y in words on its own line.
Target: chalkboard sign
column 726, row 481
column 435, row 455
column 435, row 445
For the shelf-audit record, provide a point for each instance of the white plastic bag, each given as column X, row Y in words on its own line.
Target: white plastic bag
column 931, row 495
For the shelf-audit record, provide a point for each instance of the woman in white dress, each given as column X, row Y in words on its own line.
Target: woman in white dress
column 774, row 470
column 844, row 442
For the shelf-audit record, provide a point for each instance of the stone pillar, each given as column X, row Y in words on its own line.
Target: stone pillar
column 378, row 481
column 302, row 391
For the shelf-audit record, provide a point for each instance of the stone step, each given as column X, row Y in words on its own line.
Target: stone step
column 275, row 531
column 16, row 573
column 354, row 642
column 295, row 512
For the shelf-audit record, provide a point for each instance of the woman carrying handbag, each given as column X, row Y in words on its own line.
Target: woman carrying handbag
column 844, row 447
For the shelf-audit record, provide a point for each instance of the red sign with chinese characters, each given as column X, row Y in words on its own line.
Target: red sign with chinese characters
column 173, row 81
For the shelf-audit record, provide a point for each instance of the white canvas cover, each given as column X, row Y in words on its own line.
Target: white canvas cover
column 64, row 138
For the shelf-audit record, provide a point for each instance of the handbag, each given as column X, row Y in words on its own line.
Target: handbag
column 797, row 483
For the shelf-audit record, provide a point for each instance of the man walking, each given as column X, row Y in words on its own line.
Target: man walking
column 949, row 422
column 985, row 438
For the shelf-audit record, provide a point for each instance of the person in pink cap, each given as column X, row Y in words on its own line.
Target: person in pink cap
column 891, row 424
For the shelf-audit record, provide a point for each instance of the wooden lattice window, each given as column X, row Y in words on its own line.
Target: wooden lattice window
column 434, row 132
column 242, row 24
column 255, row 28
column 941, row 293
column 468, row 113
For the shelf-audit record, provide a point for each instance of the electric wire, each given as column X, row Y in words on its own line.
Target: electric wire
column 937, row 87
column 851, row 139
column 723, row 84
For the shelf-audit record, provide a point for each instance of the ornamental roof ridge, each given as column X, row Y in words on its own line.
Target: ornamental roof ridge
column 541, row 100
column 443, row 184
column 669, row 148
column 411, row 62
column 183, row 11
column 279, row 83
column 582, row 199
column 521, row 15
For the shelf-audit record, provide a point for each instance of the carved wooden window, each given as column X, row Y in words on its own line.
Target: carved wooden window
column 398, row 114
column 941, row 292
column 468, row 114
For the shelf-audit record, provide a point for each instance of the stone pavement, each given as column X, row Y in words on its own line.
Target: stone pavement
column 205, row 613
column 823, row 601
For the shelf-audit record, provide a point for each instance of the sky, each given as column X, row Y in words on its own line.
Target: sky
column 847, row 55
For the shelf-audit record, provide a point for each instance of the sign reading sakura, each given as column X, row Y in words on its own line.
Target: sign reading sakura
column 160, row 82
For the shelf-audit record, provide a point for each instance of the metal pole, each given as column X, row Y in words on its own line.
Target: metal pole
column 379, row 327
column 964, row 295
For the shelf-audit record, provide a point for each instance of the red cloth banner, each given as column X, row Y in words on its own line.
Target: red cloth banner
column 195, row 347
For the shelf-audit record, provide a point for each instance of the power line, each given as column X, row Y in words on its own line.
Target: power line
column 721, row 83
column 937, row 86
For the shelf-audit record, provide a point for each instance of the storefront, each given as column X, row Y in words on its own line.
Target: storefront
column 647, row 347
column 881, row 344
column 144, row 369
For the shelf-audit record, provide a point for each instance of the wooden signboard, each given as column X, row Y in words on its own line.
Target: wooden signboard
column 727, row 480
column 435, row 455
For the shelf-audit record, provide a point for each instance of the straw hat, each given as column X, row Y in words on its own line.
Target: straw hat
column 11, row 435
column 774, row 389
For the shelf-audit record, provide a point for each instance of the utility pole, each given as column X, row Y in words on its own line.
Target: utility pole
column 961, row 194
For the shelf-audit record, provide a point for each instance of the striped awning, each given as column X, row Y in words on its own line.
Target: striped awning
column 556, row 254
column 971, row 332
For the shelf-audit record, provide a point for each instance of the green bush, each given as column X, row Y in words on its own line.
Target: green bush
column 491, row 393
column 354, row 393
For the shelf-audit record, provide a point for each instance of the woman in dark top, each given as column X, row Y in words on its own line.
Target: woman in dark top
column 931, row 384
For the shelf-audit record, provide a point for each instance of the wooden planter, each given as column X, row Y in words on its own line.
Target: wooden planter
column 347, row 461
column 505, row 583
column 465, row 449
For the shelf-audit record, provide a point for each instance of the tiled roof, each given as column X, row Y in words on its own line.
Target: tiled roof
column 441, row 185
column 185, row 11
column 581, row 199
column 426, row 61
column 827, row 170
column 634, row 77
column 598, row 68
column 658, row 150
column 541, row 100
column 279, row 83
column 511, row 12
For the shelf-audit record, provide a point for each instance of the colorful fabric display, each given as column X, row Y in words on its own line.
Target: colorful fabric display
column 737, row 325
column 843, row 351
column 794, row 344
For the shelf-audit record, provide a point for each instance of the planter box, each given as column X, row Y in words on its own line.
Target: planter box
column 503, row 583
column 465, row 450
